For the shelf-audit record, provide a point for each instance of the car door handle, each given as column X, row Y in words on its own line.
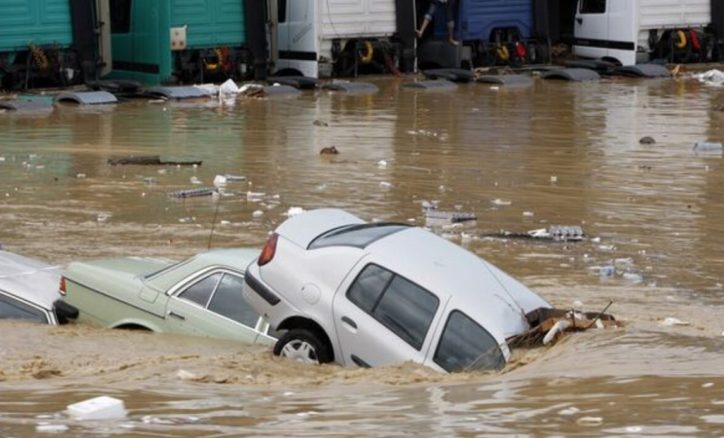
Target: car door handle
column 177, row 316
column 359, row 362
column 349, row 322
column 579, row 20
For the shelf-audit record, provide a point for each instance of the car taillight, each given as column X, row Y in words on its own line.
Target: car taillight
column 267, row 254
column 61, row 287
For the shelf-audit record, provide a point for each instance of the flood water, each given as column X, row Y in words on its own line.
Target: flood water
column 520, row 159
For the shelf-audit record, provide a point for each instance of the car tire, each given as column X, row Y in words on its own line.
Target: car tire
column 304, row 346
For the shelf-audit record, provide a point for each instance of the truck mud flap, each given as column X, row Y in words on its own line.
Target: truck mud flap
column 301, row 82
column 86, row 97
column 178, row 93
column 351, row 87
column 572, row 74
column 431, row 85
column 451, row 74
column 508, row 80
column 643, row 71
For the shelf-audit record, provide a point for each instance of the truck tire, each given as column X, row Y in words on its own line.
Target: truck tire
column 303, row 345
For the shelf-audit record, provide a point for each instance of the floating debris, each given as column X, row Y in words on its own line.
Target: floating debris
column 320, row 123
column 647, row 140
column 149, row 160
column 226, row 178
column 565, row 233
column 193, row 193
column 708, row 147
column 99, row 408
column 330, row 150
column 670, row 322
column 501, row 202
column 450, row 216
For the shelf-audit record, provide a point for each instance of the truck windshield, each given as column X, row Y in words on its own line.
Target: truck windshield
column 358, row 236
column 466, row 346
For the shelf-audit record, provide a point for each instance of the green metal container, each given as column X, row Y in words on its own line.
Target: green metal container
column 36, row 22
column 144, row 48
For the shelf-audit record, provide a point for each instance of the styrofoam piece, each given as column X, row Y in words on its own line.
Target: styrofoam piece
column 301, row 82
column 99, row 408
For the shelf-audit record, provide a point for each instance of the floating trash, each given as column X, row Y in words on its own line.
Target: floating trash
column 99, row 408
column 192, row 193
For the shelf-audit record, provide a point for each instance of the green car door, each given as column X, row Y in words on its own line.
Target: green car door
column 212, row 304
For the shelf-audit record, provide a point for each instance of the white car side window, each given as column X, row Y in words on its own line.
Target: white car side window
column 403, row 307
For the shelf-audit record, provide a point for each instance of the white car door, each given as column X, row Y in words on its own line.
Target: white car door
column 382, row 318
column 591, row 29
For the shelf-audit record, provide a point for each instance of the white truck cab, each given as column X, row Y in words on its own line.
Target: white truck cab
column 628, row 30
column 311, row 34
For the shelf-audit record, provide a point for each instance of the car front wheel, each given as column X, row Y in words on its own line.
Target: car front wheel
column 303, row 346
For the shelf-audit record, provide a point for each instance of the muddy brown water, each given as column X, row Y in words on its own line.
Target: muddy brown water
column 519, row 158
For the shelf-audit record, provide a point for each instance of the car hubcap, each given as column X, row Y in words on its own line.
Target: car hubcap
column 301, row 351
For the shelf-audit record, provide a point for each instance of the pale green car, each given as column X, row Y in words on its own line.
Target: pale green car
column 199, row 296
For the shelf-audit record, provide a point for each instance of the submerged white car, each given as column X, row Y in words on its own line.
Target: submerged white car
column 369, row 294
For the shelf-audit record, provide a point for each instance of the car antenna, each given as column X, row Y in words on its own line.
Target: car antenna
column 213, row 222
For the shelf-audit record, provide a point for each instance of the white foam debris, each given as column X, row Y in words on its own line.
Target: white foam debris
column 634, row 429
column 554, row 179
column 528, row 214
column 499, row 201
column 194, row 180
column 220, row 180
column 80, row 175
column 185, row 375
column 671, row 321
column 51, row 428
column 102, row 217
column 569, row 411
column 385, row 184
column 712, row 77
column 2, row 159
column 98, row 408
column 707, row 385
column 590, row 421
column 382, row 164
column 257, row 214
column 293, row 211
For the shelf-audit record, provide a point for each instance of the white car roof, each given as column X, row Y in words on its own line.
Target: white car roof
column 473, row 285
column 29, row 279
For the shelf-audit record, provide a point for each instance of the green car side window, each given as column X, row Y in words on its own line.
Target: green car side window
column 201, row 291
column 228, row 301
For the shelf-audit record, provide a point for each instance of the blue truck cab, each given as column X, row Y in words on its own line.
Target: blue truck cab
column 491, row 32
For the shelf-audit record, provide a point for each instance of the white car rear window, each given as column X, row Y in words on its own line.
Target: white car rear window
column 357, row 235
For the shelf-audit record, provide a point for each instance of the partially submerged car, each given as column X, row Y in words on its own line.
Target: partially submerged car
column 28, row 291
column 370, row 294
column 198, row 296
